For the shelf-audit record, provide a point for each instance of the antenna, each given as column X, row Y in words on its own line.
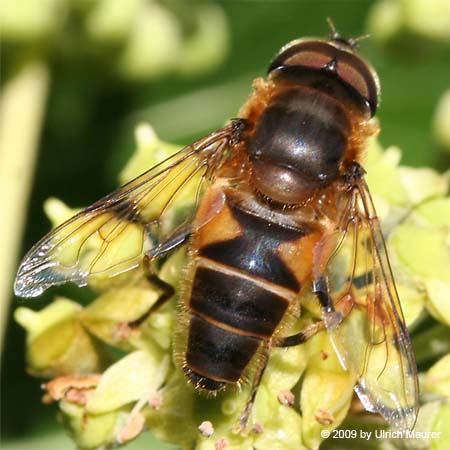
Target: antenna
column 336, row 36
column 355, row 41
column 333, row 32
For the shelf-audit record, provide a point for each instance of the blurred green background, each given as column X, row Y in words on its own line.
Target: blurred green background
column 185, row 67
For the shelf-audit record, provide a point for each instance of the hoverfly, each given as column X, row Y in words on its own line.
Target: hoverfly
column 280, row 199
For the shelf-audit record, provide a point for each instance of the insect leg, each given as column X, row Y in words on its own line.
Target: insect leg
column 322, row 292
column 167, row 292
column 302, row 336
column 288, row 341
column 334, row 312
column 177, row 238
column 166, row 289
column 255, row 385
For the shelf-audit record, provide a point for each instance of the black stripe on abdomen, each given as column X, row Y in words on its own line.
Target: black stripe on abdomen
column 216, row 355
column 256, row 250
column 230, row 317
column 237, row 302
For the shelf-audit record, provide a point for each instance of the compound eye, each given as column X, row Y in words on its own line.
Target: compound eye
column 339, row 61
column 308, row 58
column 353, row 71
column 311, row 54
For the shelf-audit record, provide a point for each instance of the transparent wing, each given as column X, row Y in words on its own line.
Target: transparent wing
column 367, row 328
column 111, row 236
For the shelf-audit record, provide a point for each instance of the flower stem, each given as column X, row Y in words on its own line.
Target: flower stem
column 21, row 111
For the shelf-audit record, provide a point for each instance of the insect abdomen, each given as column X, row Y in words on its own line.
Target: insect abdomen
column 240, row 293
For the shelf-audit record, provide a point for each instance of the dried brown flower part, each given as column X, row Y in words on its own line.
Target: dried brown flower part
column 286, row 398
column 323, row 416
column 59, row 387
column 222, row 444
column 133, row 427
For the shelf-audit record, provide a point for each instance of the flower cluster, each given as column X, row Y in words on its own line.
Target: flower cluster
column 113, row 381
column 137, row 40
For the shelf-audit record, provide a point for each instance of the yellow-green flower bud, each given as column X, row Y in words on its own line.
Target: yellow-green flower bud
column 27, row 21
column 88, row 431
column 441, row 426
column 430, row 19
column 326, row 391
column 154, row 43
column 57, row 343
column 437, row 379
column 150, row 150
column 110, row 22
column 135, row 377
column 208, row 46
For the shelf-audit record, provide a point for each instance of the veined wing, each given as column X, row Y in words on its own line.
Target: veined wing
column 111, row 236
column 367, row 327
